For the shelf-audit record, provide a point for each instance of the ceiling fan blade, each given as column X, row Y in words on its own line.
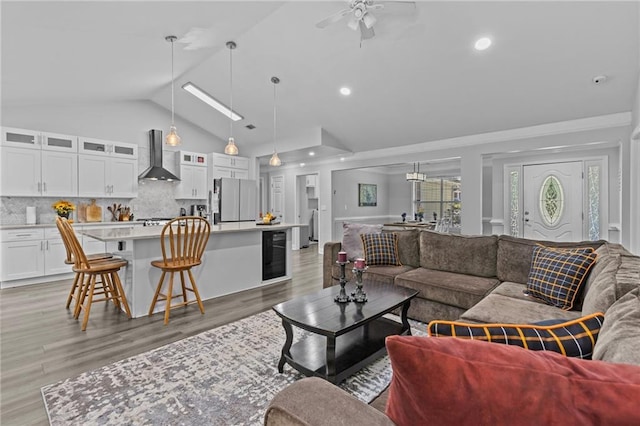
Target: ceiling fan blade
column 333, row 18
column 366, row 33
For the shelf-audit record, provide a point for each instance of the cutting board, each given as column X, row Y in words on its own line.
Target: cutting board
column 94, row 212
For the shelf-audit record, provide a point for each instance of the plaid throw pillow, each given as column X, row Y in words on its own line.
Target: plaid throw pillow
column 380, row 249
column 556, row 275
column 574, row 338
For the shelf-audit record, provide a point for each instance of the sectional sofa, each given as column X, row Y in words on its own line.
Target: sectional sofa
column 479, row 280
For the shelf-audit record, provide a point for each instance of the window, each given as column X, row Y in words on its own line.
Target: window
column 439, row 198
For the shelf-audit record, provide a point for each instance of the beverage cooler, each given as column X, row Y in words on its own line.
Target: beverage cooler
column 274, row 254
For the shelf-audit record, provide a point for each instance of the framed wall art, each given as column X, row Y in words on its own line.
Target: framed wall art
column 367, row 195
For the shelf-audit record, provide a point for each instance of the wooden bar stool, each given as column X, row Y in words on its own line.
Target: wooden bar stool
column 76, row 288
column 109, row 284
column 187, row 237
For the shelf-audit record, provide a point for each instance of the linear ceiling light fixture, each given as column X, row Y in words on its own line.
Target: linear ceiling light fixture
column 172, row 138
column 416, row 176
column 210, row 100
column 275, row 160
column 231, row 148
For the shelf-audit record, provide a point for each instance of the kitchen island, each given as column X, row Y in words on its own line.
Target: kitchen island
column 232, row 261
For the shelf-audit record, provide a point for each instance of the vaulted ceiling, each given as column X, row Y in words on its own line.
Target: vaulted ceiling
column 418, row 80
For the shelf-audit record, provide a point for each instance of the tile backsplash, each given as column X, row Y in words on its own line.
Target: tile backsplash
column 155, row 199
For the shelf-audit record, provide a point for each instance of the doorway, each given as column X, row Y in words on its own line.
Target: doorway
column 553, row 201
column 277, row 197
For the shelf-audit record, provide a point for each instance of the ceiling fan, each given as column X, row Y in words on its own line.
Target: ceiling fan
column 361, row 16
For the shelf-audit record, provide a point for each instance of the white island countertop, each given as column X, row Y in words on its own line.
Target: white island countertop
column 147, row 232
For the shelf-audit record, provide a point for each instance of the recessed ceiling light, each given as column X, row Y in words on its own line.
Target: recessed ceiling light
column 341, row 158
column 483, row 43
column 345, row 91
column 302, row 164
column 311, row 153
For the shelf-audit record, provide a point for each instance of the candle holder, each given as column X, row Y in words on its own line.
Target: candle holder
column 359, row 296
column 342, row 297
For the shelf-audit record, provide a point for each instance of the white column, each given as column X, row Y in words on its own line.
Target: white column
column 471, row 175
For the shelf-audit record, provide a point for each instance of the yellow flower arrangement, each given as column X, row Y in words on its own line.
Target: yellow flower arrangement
column 63, row 207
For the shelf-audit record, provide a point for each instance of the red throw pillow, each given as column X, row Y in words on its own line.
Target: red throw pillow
column 448, row 381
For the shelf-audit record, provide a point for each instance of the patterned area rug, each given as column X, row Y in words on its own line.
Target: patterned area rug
column 224, row 376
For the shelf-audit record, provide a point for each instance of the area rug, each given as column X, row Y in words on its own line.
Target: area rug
column 224, row 376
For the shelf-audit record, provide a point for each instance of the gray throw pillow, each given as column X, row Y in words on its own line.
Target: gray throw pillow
column 351, row 241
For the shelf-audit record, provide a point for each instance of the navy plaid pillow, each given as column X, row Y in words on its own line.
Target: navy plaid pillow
column 380, row 249
column 556, row 275
column 574, row 338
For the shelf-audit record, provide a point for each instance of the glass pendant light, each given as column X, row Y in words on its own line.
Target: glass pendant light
column 172, row 138
column 231, row 148
column 275, row 160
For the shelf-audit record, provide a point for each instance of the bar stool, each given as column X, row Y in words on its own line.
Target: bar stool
column 187, row 237
column 109, row 284
column 76, row 288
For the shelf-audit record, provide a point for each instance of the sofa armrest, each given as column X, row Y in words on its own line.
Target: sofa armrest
column 329, row 258
column 314, row 401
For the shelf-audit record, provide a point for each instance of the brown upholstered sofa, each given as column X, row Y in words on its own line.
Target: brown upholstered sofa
column 476, row 279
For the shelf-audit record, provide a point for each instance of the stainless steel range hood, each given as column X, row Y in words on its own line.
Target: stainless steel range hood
column 156, row 171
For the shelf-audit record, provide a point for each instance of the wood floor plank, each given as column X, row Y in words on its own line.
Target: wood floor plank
column 41, row 342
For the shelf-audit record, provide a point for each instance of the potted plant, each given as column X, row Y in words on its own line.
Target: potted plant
column 63, row 208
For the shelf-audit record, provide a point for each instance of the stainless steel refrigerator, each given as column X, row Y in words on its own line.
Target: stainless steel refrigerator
column 233, row 200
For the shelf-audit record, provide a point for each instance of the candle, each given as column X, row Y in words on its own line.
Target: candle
column 359, row 264
column 342, row 256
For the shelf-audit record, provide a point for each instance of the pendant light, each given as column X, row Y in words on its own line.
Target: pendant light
column 231, row 148
column 275, row 160
column 172, row 138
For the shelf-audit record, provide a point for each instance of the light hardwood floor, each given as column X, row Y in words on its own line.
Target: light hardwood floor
column 41, row 343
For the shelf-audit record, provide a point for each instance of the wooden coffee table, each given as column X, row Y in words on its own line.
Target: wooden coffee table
column 346, row 336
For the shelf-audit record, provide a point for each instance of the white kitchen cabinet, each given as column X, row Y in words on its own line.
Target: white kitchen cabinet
column 227, row 166
column 192, row 168
column 221, row 172
column 230, row 161
column 55, row 253
column 107, row 169
column 38, row 164
column 59, row 171
column 28, row 253
column 22, row 259
column 20, row 171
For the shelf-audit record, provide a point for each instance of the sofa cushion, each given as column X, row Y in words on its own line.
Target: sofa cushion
column 351, row 242
column 380, row 249
column 556, row 275
column 514, row 310
column 620, row 335
column 515, row 255
column 602, row 290
column 457, row 382
column 571, row 338
column 607, row 253
column 408, row 246
column 463, row 254
column 449, row 288
column 384, row 273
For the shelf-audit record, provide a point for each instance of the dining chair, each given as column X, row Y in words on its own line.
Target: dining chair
column 76, row 289
column 109, row 285
column 183, row 241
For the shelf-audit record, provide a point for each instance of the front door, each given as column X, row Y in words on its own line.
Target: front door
column 552, row 197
